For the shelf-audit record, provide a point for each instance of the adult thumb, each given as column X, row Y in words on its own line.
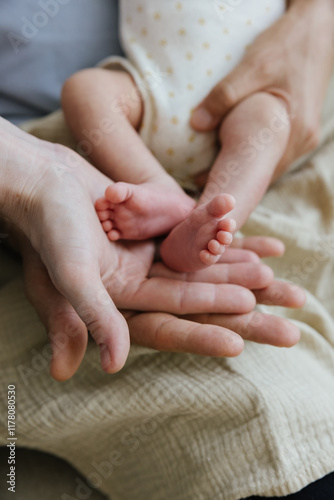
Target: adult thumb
column 232, row 89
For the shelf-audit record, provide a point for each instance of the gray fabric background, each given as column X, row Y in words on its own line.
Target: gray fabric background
column 42, row 42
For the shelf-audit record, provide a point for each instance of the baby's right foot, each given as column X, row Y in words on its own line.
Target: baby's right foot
column 200, row 240
column 136, row 212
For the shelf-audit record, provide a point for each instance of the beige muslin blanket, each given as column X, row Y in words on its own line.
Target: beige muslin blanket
column 175, row 426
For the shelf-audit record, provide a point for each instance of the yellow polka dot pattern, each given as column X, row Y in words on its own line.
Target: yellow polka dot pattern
column 177, row 51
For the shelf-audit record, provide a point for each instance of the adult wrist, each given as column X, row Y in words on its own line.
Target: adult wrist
column 20, row 173
column 12, row 198
column 313, row 5
column 318, row 17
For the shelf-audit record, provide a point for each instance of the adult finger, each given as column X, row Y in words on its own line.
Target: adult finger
column 233, row 255
column 66, row 331
column 263, row 246
column 248, row 275
column 255, row 326
column 274, row 293
column 179, row 297
column 86, row 292
column 281, row 293
column 165, row 332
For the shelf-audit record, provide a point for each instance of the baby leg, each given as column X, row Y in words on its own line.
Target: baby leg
column 254, row 136
column 253, row 140
column 103, row 109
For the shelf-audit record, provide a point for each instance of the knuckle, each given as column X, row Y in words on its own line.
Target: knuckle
column 63, row 273
column 263, row 67
column 225, row 95
column 161, row 330
column 66, row 278
column 183, row 298
column 312, row 136
column 60, row 150
column 65, row 324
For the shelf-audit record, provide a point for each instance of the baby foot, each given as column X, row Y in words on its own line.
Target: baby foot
column 138, row 212
column 199, row 241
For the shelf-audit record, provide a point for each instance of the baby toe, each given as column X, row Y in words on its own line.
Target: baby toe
column 102, row 204
column 221, row 205
column 224, row 237
column 119, row 192
column 215, row 247
column 104, row 215
column 114, row 235
column 107, row 226
column 227, row 225
column 207, row 257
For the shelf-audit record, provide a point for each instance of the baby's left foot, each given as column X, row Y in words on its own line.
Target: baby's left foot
column 200, row 239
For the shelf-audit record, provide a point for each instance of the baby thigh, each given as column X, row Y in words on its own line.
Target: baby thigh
column 103, row 108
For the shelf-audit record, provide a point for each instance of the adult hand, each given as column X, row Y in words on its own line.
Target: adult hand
column 206, row 334
column 49, row 192
column 292, row 59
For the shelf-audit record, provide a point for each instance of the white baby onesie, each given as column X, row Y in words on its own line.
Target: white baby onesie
column 176, row 53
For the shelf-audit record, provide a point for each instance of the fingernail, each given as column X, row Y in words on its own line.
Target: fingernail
column 202, row 119
column 105, row 356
